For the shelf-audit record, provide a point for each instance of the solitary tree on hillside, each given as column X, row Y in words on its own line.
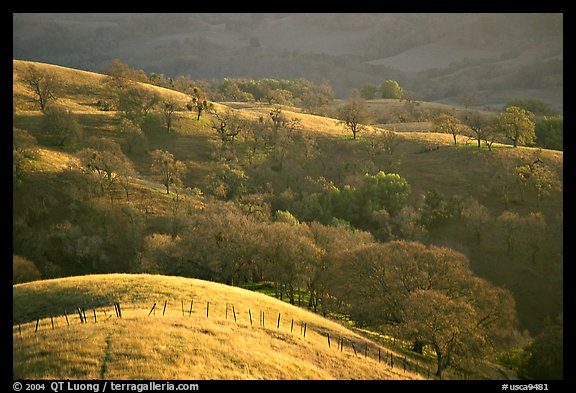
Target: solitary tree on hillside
column 449, row 124
column 518, row 125
column 168, row 168
column 43, row 84
column 197, row 103
column 533, row 172
column 169, row 108
column 353, row 115
column 391, row 89
column 479, row 124
column 105, row 158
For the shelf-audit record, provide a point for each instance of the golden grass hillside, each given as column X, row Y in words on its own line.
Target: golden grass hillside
column 427, row 160
column 49, row 341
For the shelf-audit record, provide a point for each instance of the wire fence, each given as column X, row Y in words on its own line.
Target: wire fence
column 277, row 321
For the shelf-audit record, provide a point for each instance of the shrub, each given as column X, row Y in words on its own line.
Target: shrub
column 24, row 270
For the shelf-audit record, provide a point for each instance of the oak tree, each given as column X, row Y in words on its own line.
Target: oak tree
column 168, row 169
column 449, row 124
column 43, row 85
column 353, row 115
column 518, row 125
column 425, row 294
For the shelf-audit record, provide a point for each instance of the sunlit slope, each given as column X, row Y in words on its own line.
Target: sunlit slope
column 429, row 161
column 77, row 90
column 174, row 343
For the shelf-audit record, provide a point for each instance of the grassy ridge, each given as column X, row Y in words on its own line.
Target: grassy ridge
column 177, row 345
column 427, row 160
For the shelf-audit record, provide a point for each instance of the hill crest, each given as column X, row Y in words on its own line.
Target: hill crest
column 218, row 336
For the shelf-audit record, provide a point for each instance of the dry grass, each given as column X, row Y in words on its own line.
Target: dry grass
column 178, row 345
column 460, row 170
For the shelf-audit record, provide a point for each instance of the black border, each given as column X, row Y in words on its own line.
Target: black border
column 337, row 7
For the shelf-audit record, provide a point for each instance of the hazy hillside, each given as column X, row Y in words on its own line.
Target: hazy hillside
column 496, row 57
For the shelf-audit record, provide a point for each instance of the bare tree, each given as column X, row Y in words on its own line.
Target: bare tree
column 105, row 158
column 479, row 124
column 168, row 111
column 43, row 84
column 449, row 124
column 168, row 168
column 353, row 115
column 197, row 103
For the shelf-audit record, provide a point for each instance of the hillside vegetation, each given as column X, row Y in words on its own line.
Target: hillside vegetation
column 251, row 192
column 174, row 343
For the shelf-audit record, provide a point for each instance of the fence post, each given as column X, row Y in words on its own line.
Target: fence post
column 292, row 326
column 234, row 313
column 207, row 309
column 226, row 311
column 304, row 329
column 52, row 322
column 354, row 348
column 80, row 315
column 152, row 309
column 66, row 315
column 119, row 310
column 191, row 303
column 250, row 315
column 94, row 315
column 365, row 350
column 164, row 309
column 328, row 335
column 378, row 354
column 37, row 322
column 278, row 323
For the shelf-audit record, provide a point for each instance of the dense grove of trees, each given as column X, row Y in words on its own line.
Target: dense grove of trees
column 343, row 233
column 427, row 295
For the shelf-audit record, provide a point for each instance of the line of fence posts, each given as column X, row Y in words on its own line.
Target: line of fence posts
column 303, row 327
column 81, row 315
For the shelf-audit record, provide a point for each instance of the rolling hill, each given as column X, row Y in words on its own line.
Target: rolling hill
column 62, row 225
column 179, row 340
column 439, row 56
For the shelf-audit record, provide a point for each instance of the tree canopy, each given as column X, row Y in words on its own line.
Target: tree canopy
column 426, row 294
column 391, row 89
column 517, row 125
